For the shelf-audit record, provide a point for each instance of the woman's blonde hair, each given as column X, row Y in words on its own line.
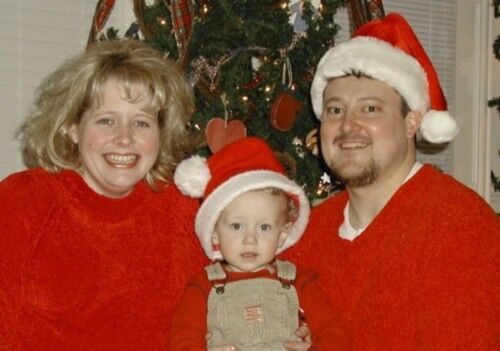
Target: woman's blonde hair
column 66, row 93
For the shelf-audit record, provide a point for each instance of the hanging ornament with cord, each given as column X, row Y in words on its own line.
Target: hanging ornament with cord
column 288, row 102
column 222, row 131
column 102, row 11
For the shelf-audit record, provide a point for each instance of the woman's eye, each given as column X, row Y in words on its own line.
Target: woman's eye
column 105, row 121
column 142, row 124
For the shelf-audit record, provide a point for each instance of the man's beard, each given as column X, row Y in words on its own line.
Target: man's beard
column 354, row 175
column 350, row 171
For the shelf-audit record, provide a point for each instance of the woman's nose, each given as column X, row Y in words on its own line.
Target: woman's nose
column 123, row 135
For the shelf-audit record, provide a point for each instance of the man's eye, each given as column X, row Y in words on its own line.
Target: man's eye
column 334, row 110
column 370, row 109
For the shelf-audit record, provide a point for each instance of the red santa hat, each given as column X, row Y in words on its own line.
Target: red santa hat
column 244, row 165
column 388, row 50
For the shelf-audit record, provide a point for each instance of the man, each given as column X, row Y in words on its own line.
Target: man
column 406, row 253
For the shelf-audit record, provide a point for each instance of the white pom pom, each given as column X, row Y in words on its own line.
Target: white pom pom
column 438, row 127
column 192, row 175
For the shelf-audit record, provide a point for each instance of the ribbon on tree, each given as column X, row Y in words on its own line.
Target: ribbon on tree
column 101, row 15
column 181, row 13
column 365, row 10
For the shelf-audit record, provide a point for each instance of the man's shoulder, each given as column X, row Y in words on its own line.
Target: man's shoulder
column 449, row 190
column 337, row 200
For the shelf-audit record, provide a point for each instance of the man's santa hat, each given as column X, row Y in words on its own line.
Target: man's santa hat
column 244, row 165
column 388, row 50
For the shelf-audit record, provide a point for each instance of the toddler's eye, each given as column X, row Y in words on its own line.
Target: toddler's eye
column 265, row 227
column 235, row 226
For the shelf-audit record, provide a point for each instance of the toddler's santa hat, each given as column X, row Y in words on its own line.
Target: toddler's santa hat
column 388, row 50
column 244, row 165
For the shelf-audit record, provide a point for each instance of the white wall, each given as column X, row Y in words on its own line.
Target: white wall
column 35, row 37
column 478, row 80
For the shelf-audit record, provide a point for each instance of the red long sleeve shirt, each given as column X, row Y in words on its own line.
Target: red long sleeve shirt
column 79, row 271
column 189, row 324
column 422, row 276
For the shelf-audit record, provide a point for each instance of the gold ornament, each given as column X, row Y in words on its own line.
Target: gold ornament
column 312, row 141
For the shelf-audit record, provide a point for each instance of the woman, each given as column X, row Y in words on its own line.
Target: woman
column 95, row 244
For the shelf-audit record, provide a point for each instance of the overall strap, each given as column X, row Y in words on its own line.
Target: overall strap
column 286, row 272
column 216, row 275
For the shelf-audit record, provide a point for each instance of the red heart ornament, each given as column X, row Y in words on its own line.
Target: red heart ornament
column 219, row 134
column 283, row 111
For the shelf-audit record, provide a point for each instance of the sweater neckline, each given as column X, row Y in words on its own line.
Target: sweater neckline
column 83, row 198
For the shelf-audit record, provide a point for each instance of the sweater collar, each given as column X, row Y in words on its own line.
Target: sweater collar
column 83, row 198
column 347, row 231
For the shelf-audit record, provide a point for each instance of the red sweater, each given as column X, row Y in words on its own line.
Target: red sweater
column 79, row 271
column 422, row 276
column 189, row 323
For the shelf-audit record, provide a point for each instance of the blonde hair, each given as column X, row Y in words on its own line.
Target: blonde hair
column 292, row 212
column 66, row 93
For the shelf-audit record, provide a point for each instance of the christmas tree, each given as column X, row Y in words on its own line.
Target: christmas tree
column 251, row 63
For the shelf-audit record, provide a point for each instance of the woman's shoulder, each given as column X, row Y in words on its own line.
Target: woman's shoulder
column 28, row 181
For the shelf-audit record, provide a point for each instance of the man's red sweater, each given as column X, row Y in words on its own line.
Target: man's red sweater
column 79, row 271
column 422, row 276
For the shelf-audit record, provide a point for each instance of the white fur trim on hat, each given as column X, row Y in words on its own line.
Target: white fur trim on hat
column 220, row 198
column 438, row 127
column 192, row 175
column 377, row 59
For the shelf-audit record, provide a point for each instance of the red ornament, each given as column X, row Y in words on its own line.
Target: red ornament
column 220, row 132
column 254, row 83
column 283, row 111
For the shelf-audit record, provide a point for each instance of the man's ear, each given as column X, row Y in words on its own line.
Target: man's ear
column 285, row 231
column 73, row 133
column 413, row 120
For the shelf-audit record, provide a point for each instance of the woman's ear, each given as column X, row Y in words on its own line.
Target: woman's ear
column 413, row 120
column 73, row 133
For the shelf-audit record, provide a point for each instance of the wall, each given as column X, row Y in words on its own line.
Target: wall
column 477, row 76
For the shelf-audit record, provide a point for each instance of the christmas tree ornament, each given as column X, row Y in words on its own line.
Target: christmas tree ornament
column 146, row 27
column 296, row 10
column 297, row 141
column 221, row 131
column 284, row 110
column 325, row 178
column 182, row 14
column 101, row 15
column 312, row 141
